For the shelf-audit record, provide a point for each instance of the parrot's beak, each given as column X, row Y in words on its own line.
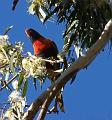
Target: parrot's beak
column 26, row 31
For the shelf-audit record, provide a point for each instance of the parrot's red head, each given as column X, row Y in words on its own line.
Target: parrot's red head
column 32, row 34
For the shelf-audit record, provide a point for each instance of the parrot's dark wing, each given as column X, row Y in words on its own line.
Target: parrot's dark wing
column 55, row 47
column 50, row 51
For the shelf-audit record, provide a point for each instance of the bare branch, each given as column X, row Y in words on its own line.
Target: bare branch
column 44, row 109
column 81, row 63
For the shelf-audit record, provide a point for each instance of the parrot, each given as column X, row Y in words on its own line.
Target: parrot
column 43, row 47
column 46, row 48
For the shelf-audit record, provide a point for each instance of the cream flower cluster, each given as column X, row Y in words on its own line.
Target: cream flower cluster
column 34, row 66
column 3, row 40
column 17, row 103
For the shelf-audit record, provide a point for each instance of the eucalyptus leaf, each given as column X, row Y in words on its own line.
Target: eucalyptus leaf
column 60, row 101
column 11, row 64
column 87, row 18
column 24, row 90
column 20, row 81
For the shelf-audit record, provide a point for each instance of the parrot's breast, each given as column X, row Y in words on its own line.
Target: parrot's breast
column 39, row 47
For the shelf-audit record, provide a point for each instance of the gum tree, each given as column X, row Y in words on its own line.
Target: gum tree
column 88, row 28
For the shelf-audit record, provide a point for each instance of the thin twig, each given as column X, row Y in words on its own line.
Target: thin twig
column 53, row 61
column 9, row 82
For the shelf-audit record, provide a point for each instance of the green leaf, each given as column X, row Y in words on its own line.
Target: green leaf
column 60, row 102
column 14, row 4
column 20, row 81
column 7, row 30
column 25, row 88
column 11, row 64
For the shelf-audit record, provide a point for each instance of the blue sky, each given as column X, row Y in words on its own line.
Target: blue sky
column 90, row 96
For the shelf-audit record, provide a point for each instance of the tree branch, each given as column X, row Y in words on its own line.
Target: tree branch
column 44, row 109
column 81, row 63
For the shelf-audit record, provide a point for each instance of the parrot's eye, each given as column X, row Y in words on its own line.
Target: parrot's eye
column 30, row 31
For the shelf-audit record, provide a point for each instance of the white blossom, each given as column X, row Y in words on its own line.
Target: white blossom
column 31, row 9
column 15, row 96
column 26, row 64
column 15, row 84
column 9, row 114
column 3, row 40
column 17, row 100
column 3, row 59
column 19, row 46
column 35, row 66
